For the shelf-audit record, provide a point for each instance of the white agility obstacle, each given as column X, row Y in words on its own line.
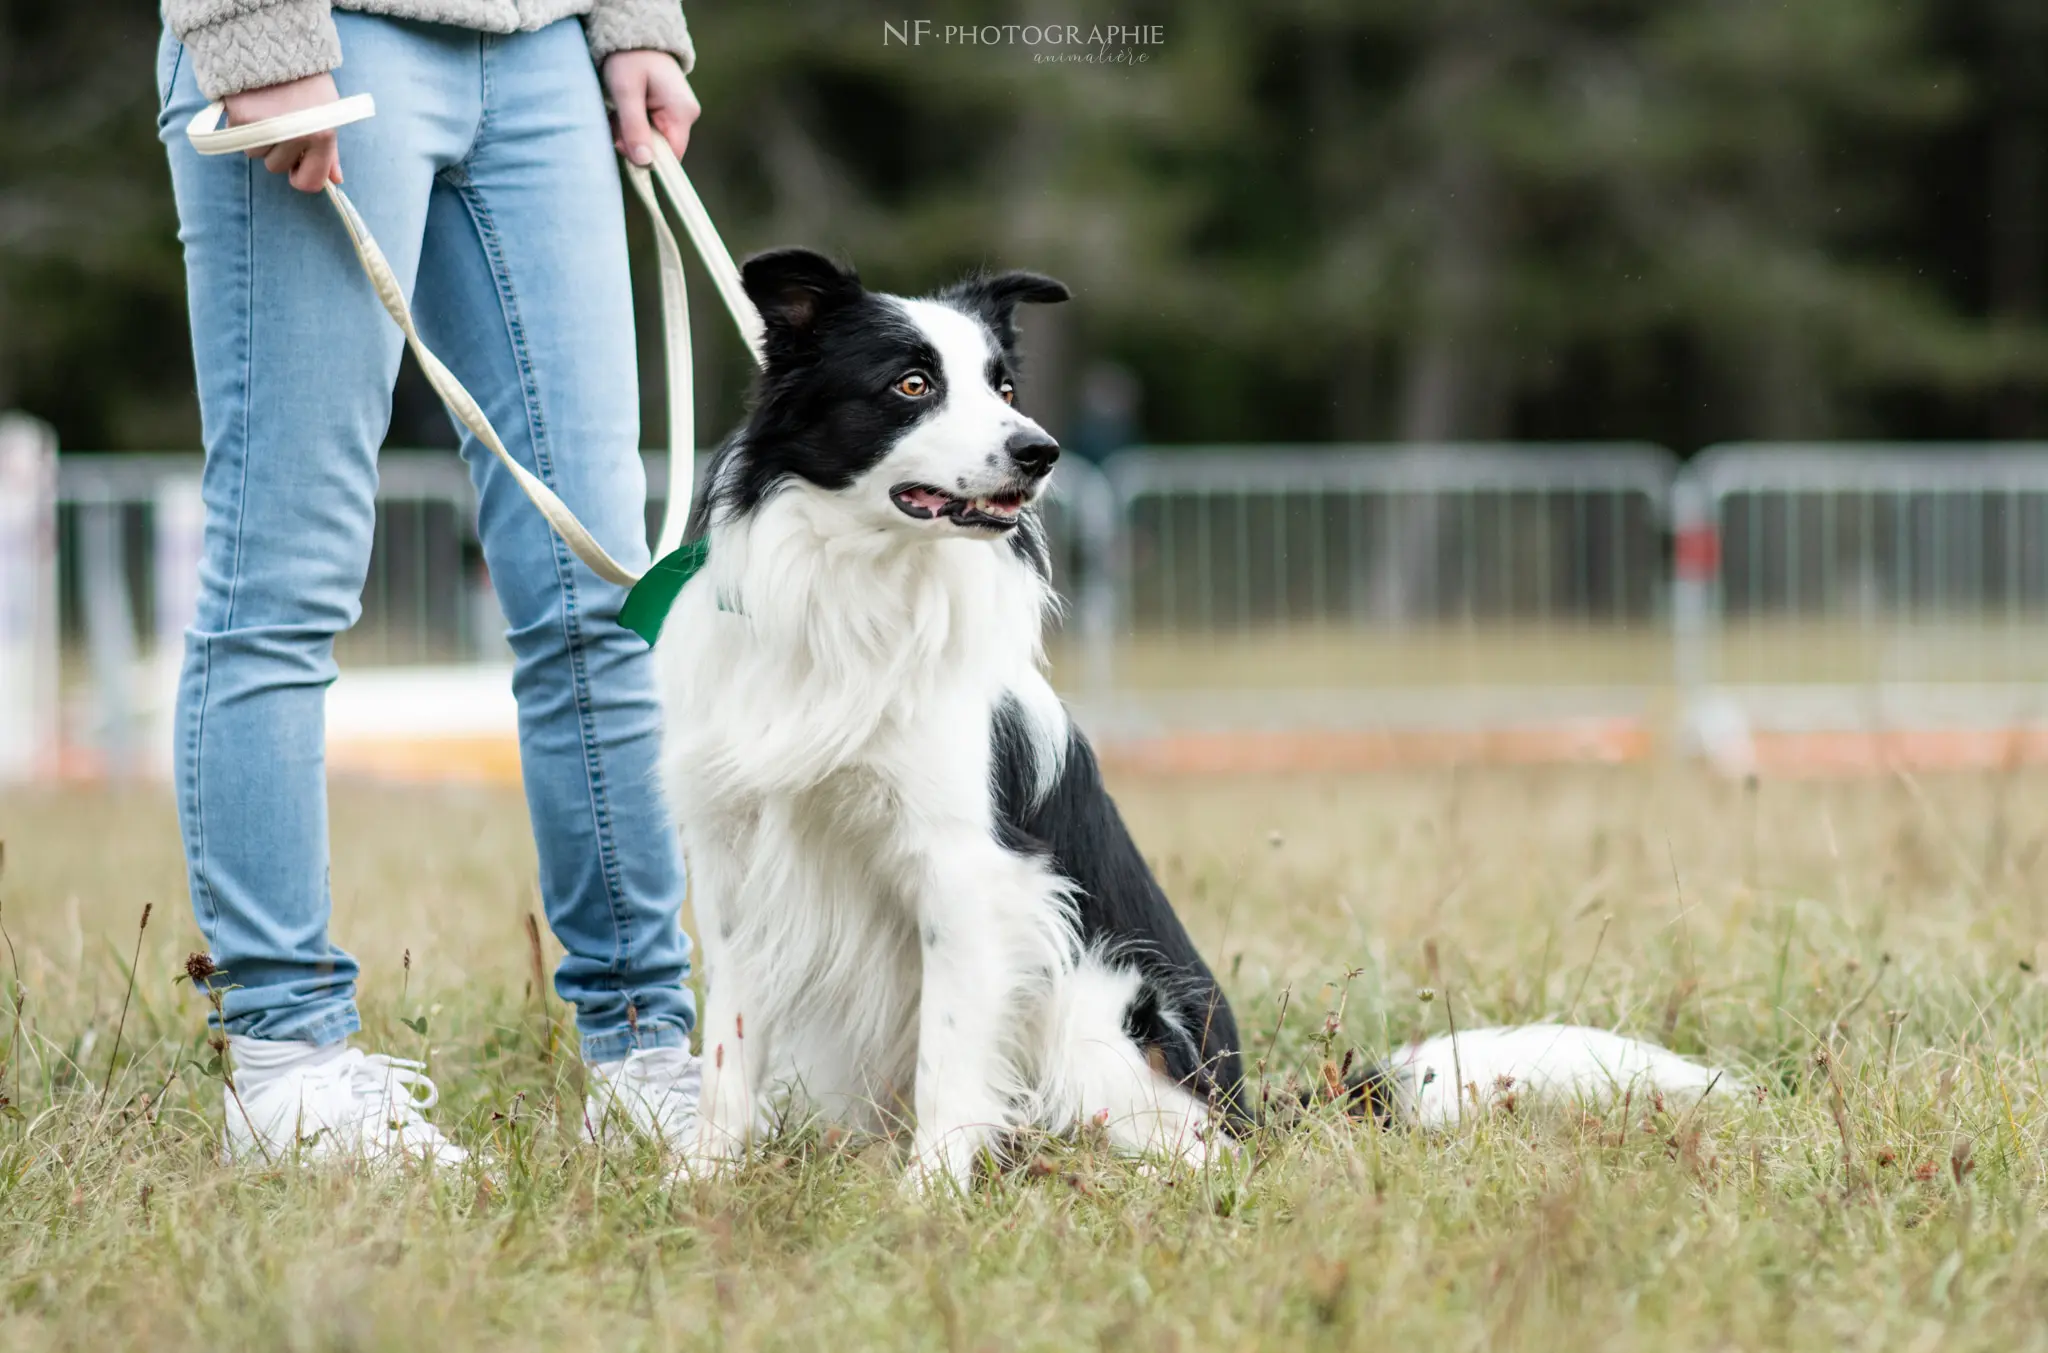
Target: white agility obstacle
column 28, row 599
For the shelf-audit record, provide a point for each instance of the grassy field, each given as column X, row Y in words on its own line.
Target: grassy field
column 1866, row 954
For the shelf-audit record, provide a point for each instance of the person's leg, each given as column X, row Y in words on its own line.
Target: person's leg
column 295, row 363
column 524, row 293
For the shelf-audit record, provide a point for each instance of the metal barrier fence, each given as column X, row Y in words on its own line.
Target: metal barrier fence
column 1863, row 588
column 128, row 524
column 1476, row 587
column 1234, row 539
column 128, row 535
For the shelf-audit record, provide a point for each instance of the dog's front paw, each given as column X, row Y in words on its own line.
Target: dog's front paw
column 1194, row 1140
column 1191, row 1150
column 941, row 1164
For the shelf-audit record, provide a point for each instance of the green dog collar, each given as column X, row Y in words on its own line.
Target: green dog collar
column 651, row 599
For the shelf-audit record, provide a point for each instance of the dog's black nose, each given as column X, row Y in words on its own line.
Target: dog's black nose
column 1032, row 451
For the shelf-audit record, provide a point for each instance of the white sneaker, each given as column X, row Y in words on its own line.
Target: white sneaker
column 653, row 1091
column 299, row 1102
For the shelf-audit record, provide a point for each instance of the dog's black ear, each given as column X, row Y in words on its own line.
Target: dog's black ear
column 996, row 296
column 794, row 289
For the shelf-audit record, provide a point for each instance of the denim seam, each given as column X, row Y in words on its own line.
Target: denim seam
column 202, row 890
column 600, row 800
column 248, row 384
column 193, row 760
column 171, row 84
column 483, row 116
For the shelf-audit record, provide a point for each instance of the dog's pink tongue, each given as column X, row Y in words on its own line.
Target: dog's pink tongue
column 927, row 499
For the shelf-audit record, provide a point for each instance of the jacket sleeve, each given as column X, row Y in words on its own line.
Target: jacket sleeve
column 247, row 44
column 630, row 25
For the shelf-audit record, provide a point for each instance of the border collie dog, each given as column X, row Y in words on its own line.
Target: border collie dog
column 916, row 901
column 914, row 896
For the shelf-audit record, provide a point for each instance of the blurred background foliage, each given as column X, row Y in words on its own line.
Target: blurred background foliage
column 1302, row 220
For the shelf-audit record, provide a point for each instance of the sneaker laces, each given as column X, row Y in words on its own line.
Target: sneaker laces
column 378, row 1087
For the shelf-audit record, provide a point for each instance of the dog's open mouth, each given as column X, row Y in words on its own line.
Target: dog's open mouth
column 997, row 512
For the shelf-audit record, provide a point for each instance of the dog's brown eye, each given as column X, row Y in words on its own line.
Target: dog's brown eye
column 914, row 385
column 1008, row 392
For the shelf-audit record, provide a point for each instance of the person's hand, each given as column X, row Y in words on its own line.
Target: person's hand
column 648, row 88
column 311, row 161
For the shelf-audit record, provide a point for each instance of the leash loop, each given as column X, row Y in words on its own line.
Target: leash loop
column 209, row 137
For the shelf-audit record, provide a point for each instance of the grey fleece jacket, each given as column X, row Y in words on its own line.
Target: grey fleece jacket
column 247, row 44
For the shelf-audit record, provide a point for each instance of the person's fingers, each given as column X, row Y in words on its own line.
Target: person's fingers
column 321, row 162
column 309, row 162
column 674, row 104
column 629, row 103
column 674, row 128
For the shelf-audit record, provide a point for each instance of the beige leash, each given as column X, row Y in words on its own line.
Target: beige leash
column 208, row 137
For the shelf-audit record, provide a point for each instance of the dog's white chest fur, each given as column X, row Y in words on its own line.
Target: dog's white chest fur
column 810, row 647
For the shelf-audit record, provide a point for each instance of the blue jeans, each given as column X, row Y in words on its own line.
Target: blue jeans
column 487, row 176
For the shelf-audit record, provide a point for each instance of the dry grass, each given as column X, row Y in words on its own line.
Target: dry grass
column 1868, row 953
column 1747, row 649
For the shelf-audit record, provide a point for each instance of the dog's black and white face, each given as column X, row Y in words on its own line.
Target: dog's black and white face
column 905, row 408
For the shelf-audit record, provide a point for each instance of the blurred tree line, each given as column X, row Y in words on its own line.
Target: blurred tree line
column 1681, row 220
